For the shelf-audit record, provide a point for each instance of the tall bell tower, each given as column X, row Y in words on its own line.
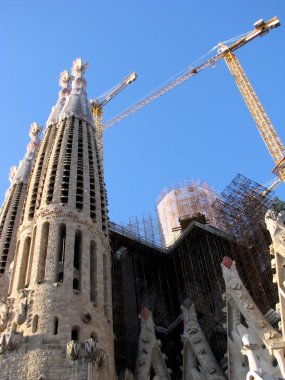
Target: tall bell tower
column 57, row 315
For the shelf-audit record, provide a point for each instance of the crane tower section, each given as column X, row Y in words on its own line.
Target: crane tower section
column 262, row 121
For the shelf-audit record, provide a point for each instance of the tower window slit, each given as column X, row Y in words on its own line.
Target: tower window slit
column 77, row 260
column 35, row 324
column 38, row 175
column 6, row 209
column 43, row 252
column 105, row 284
column 93, row 269
column 10, row 228
column 44, row 171
column 24, row 263
column 55, row 326
column 80, row 166
column 31, row 256
column 75, row 333
column 92, row 176
column 67, row 164
column 61, row 252
column 55, row 165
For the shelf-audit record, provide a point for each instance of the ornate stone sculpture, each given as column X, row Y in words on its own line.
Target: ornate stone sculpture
column 23, row 171
column 77, row 103
column 149, row 354
column 237, row 293
column 196, row 347
column 4, row 309
column 21, row 315
column 64, row 81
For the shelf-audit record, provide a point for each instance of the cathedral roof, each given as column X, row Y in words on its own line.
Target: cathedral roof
column 77, row 103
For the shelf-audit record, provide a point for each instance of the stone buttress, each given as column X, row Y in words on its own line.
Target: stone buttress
column 58, row 312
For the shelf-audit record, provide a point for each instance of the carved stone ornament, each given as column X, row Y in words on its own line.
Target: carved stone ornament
column 77, row 104
column 149, row 354
column 73, row 349
column 64, row 81
column 4, row 310
column 196, row 348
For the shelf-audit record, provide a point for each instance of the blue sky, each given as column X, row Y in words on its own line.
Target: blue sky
column 201, row 130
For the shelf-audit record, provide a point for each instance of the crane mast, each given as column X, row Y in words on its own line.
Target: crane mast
column 262, row 121
column 97, row 110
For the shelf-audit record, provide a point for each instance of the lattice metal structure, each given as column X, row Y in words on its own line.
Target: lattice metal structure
column 240, row 213
column 144, row 227
column 185, row 201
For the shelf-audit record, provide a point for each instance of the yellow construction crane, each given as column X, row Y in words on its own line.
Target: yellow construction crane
column 265, row 127
column 98, row 104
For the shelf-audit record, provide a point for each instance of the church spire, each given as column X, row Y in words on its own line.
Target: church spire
column 22, row 173
column 64, row 81
column 77, row 103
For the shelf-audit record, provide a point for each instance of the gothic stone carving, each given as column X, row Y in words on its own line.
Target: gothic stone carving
column 149, row 354
column 196, row 343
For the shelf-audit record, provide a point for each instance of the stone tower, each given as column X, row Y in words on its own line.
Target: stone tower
column 56, row 319
column 12, row 208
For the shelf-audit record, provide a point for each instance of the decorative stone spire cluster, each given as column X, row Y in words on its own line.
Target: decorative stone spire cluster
column 77, row 103
column 21, row 174
column 64, row 82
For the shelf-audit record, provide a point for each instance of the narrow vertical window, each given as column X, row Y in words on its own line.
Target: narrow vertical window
column 105, row 281
column 55, row 326
column 24, row 263
column 77, row 260
column 35, row 323
column 61, row 252
column 67, row 164
column 75, row 333
column 93, row 276
column 43, row 252
column 31, row 256
column 80, row 169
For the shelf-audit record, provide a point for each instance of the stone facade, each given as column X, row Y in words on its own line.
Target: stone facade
column 57, row 315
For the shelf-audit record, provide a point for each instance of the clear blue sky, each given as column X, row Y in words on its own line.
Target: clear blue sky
column 201, row 130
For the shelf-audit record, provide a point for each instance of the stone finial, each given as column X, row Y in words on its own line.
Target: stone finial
column 144, row 314
column 64, row 79
column 79, row 68
column 12, row 173
column 227, row 262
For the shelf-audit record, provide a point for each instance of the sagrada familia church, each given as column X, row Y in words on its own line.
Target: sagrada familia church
column 84, row 299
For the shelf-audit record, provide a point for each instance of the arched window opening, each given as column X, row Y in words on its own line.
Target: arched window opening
column 94, row 336
column 61, row 245
column 77, row 260
column 55, row 326
column 77, row 250
column 35, row 324
column 61, row 252
column 76, row 284
column 105, row 281
column 24, row 263
column 75, row 333
column 93, row 276
column 43, row 252
column 31, row 256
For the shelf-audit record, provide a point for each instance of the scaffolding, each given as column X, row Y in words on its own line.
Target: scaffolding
column 183, row 202
column 240, row 212
column 144, row 228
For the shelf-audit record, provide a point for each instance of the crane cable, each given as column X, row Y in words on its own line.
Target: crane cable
column 184, row 70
